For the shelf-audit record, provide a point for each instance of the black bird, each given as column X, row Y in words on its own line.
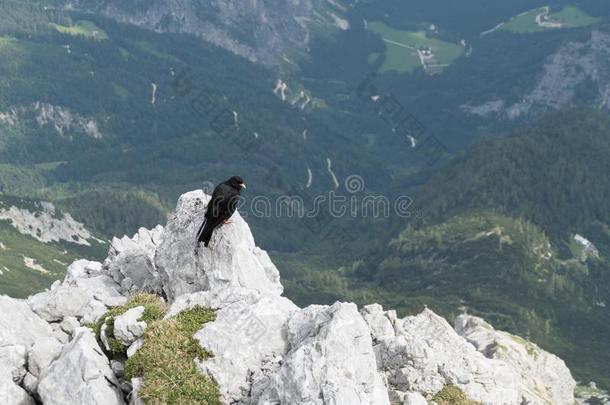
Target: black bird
column 220, row 208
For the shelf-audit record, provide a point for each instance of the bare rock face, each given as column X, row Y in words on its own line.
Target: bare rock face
column 232, row 260
column 424, row 354
column 130, row 261
column 544, row 377
column 11, row 393
column 19, row 325
column 246, row 337
column 85, row 294
column 330, row 360
column 81, row 375
column 574, row 65
column 60, row 302
column 42, row 354
column 267, row 350
column 272, row 27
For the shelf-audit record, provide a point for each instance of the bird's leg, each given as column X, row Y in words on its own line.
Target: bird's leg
column 226, row 221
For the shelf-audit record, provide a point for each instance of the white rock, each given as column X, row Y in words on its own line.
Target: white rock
column 30, row 384
column 134, row 399
column 426, row 354
column 11, row 393
column 127, row 327
column 42, row 353
column 118, row 368
column 266, row 350
column 104, row 336
column 414, row 398
column 19, row 325
column 56, row 304
column 82, row 269
column 330, row 361
column 379, row 324
column 232, row 260
column 81, row 375
column 135, row 346
column 131, row 261
column 544, row 378
column 93, row 311
column 85, row 294
column 247, row 334
column 13, row 360
column 69, row 325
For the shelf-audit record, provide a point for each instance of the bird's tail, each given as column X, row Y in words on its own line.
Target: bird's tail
column 205, row 233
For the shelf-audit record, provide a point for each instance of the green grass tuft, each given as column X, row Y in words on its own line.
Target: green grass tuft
column 166, row 362
column 452, row 395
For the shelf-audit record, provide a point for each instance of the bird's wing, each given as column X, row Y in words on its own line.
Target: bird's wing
column 215, row 206
column 232, row 204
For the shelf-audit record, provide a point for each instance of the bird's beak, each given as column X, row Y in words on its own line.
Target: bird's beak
column 243, row 185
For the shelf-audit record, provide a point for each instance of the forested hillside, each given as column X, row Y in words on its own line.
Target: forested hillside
column 514, row 229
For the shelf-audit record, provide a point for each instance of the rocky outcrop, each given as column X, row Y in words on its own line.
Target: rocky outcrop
column 423, row 354
column 130, row 261
column 81, row 375
column 544, row 378
column 247, row 338
column 27, row 343
column 266, row 350
column 233, row 260
column 330, row 360
column 85, row 294
column 19, row 325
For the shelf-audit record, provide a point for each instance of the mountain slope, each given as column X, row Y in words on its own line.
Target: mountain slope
column 516, row 229
column 37, row 241
column 269, row 31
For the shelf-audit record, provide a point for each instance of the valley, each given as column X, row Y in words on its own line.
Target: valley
column 111, row 110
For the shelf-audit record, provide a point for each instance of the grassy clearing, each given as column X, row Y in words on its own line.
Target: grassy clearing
column 452, row 395
column 167, row 362
column 402, row 49
column 13, row 53
column 82, row 28
column 572, row 17
column 568, row 17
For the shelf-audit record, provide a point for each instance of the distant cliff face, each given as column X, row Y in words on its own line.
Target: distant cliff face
column 577, row 71
column 260, row 30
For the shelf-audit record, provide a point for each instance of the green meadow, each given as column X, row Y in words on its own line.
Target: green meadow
column 401, row 49
column 569, row 17
column 82, row 28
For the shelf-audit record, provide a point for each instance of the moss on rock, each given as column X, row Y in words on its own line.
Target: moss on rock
column 166, row 362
